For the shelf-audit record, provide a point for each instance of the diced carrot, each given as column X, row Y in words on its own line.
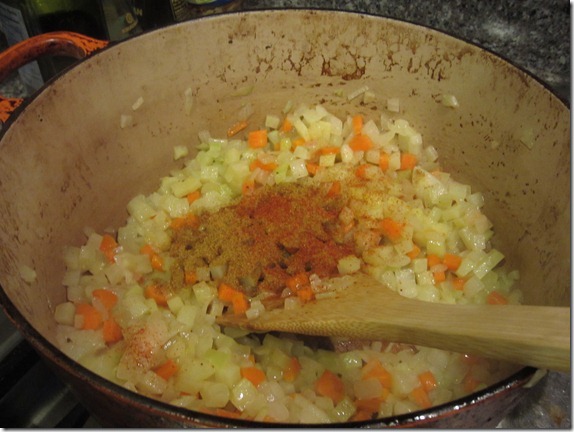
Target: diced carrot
column 420, row 397
column 305, row 293
column 427, row 380
column 384, row 161
column 363, row 415
column 248, row 187
column 92, row 317
column 296, row 143
column 287, row 126
column 155, row 259
column 226, row 292
column 335, row 189
column 159, row 293
column 292, row 370
column 433, row 260
column 439, row 276
column 369, row 408
column 331, row 386
column 108, row 246
column 193, row 196
column 112, row 331
column 469, row 383
column 270, row 166
column 189, row 277
column 236, row 128
column 188, row 221
column 240, row 304
column 147, row 249
column 253, row 374
column 297, row 281
column 231, row 295
column 329, row 150
column 167, row 370
column 361, row 143
column 392, row 229
column 106, row 297
column 458, row 283
column 415, row 251
column 257, row 139
column 347, row 228
column 361, row 170
column 221, row 412
column 451, row 261
column 312, row 168
column 374, row 369
column 357, row 123
column 408, row 161
column 495, row 298
column 371, row 404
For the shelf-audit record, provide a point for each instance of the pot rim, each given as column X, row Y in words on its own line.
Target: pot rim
column 290, row 9
column 57, row 357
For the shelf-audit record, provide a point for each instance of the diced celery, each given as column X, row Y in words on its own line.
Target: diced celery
column 243, row 394
column 64, row 313
column 229, row 374
column 214, row 394
column 272, row 121
column 472, row 240
column 473, row 286
column 139, row 208
column 327, row 160
column 187, row 314
column 175, row 304
column 218, row 358
column 435, row 244
column 490, row 261
column 302, row 152
column 204, row 292
column 278, row 358
column 469, row 262
column 301, row 129
column 298, row 169
column 191, row 375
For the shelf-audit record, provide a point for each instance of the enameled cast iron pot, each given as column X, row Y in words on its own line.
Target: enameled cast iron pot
column 65, row 163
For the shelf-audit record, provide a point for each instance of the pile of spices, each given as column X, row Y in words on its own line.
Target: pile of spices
column 274, row 233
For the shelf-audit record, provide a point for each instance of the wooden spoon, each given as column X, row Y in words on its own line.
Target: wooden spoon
column 366, row 309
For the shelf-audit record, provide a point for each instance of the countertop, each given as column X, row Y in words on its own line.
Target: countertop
column 533, row 35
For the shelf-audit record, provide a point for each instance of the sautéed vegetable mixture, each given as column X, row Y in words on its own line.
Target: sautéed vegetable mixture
column 260, row 219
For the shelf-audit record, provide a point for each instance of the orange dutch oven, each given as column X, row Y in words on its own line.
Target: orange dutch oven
column 66, row 163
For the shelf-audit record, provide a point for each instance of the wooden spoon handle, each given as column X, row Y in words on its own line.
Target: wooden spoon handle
column 526, row 335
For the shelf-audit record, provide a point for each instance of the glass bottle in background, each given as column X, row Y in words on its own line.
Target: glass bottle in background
column 102, row 19
column 158, row 13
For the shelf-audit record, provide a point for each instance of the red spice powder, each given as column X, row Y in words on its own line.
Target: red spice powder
column 268, row 236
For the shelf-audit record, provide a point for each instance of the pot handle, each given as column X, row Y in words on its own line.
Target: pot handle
column 59, row 43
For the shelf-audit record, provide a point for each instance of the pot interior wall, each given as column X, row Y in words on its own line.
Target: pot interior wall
column 66, row 163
